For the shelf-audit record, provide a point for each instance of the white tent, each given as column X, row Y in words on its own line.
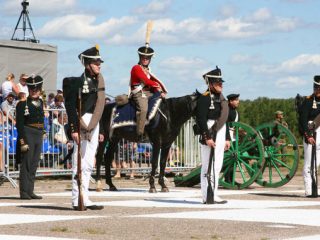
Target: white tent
column 27, row 57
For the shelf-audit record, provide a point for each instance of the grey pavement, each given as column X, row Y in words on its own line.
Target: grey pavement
column 133, row 213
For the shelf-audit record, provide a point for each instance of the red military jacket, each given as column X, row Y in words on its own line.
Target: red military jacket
column 138, row 76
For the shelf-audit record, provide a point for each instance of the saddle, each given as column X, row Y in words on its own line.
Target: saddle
column 125, row 115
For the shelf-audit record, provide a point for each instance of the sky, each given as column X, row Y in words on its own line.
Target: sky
column 265, row 48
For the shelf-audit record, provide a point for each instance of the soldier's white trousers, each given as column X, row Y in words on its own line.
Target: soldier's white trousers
column 307, row 162
column 88, row 152
column 218, row 161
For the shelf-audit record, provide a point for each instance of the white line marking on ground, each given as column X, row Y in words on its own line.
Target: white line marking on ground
column 314, row 237
column 197, row 203
column 19, row 237
column 282, row 216
column 280, row 226
column 7, row 219
column 6, row 204
column 140, row 192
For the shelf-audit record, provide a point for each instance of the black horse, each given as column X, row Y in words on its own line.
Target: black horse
column 176, row 111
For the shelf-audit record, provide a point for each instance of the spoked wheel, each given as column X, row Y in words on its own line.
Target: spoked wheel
column 244, row 160
column 281, row 154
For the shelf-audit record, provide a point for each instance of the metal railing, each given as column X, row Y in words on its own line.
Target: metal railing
column 184, row 153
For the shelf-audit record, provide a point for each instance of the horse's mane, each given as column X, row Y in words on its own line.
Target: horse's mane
column 177, row 107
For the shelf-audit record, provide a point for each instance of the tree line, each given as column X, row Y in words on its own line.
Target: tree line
column 262, row 110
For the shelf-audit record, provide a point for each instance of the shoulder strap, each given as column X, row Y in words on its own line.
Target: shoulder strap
column 224, row 114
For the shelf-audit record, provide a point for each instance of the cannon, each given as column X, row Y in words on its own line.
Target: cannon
column 267, row 155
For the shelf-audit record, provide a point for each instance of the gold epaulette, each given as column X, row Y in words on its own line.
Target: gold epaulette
column 206, row 93
column 309, row 97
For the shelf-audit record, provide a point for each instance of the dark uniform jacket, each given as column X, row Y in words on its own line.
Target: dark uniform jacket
column 233, row 114
column 308, row 114
column 71, row 86
column 34, row 119
column 203, row 114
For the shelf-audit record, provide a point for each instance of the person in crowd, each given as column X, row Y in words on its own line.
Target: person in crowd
column 309, row 120
column 107, row 100
column 30, row 128
column 8, row 107
column 60, row 92
column 279, row 119
column 9, row 86
column 59, row 135
column 211, row 117
column 58, row 105
column 173, row 156
column 143, row 84
column 90, row 86
column 126, row 154
column 22, row 86
column 233, row 102
column 50, row 99
column 1, row 146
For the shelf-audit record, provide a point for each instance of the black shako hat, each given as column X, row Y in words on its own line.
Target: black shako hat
column 213, row 76
column 34, row 82
column 316, row 81
column 89, row 55
column 232, row 96
column 146, row 51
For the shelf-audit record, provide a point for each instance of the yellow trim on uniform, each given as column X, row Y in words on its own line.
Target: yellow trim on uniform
column 206, row 93
column 309, row 97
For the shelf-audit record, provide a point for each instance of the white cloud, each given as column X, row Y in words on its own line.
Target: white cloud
column 184, row 68
column 290, row 82
column 84, row 27
column 126, row 29
column 301, row 64
column 261, row 14
column 244, row 59
column 154, row 8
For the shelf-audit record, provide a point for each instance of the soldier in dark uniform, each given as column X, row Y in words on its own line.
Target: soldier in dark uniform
column 233, row 102
column 91, row 87
column 30, row 127
column 211, row 116
column 310, row 111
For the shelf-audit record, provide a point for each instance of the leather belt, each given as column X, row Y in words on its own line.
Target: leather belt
column 36, row 125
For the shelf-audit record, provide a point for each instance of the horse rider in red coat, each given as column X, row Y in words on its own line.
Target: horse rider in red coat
column 143, row 84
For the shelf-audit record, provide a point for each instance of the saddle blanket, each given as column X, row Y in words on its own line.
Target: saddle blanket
column 124, row 116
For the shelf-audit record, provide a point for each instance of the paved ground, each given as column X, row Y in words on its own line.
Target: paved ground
column 133, row 213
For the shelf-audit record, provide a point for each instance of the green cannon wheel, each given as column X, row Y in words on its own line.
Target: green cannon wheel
column 244, row 160
column 281, row 154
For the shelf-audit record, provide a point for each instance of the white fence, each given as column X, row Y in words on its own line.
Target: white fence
column 183, row 155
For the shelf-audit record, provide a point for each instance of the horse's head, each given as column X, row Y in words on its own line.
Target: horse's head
column 193, row 102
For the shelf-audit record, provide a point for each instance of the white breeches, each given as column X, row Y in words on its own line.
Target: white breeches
column 217, row 164
column 88, row 152
column 307, row 162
